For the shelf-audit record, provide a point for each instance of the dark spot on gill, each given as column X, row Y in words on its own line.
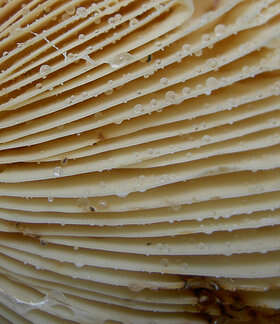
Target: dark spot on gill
column 64, row 161
column 220, row 306
column 215, row 5
column 43, row 242
column 101, row 137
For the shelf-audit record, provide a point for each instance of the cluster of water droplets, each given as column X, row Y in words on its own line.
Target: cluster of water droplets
column 81, row 12
column 114, row 20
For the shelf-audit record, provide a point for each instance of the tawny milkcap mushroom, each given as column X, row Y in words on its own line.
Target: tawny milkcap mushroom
column 139, row 161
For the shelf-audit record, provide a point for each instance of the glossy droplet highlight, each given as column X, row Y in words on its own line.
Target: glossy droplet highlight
column 81, row 12
column 154, row 103
column 186, row 48
column 171, row 96
column 133, row 22
column 135, row 287
column 212, row 82
column 121, row 60
column 57, row 172
column 186, row 91
column 164, row 262
column 138, row 108
column 220, row 30
column 163, row 81
column 45, row 69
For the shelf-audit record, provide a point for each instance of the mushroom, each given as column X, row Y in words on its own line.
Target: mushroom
column 139, row 161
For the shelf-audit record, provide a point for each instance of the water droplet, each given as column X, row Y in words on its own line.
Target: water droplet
column 122, row 194
column 72, row 56
column 145, row 6
column 151, row 151
column 141, row 179
column 71, row 99
column 201, row 246
column 81, row 36
column 158, row 63
column 198, row 53
column 154, row 103
column 47, row 9
column 203, row 299
column 138, row 108
column 109, row 92
column 171, row 96
column 186, row 48
column 97, row 19
column 212, row 63
column 79, row 264
column 70, row 10
column 276, row 86
column 205, row 38
column 245, row 69
column 186, row 91
column 176, row 207
column 212, row 82
column 118, row 17
column 243, row 48
column 65, row 16
column 228, row 244
column 90, row 49
column 163, row 81
column 115, row 19
column 164, row 262
column 220, row 30
column 111, row 21
column 164, row 178
column 158, row 43
column 50, row 199
column 25, row 10
column 57, row 172
column 38, row 85
column 81, row 12
column 121, row 60
column 133, row 22
column 45, row 69
column 83, row 203
column 135, row 287
column 185, row 266
column 102, row 203
column 85, row 94
column 179, row 56
column 5, row 53
column 274, row 122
